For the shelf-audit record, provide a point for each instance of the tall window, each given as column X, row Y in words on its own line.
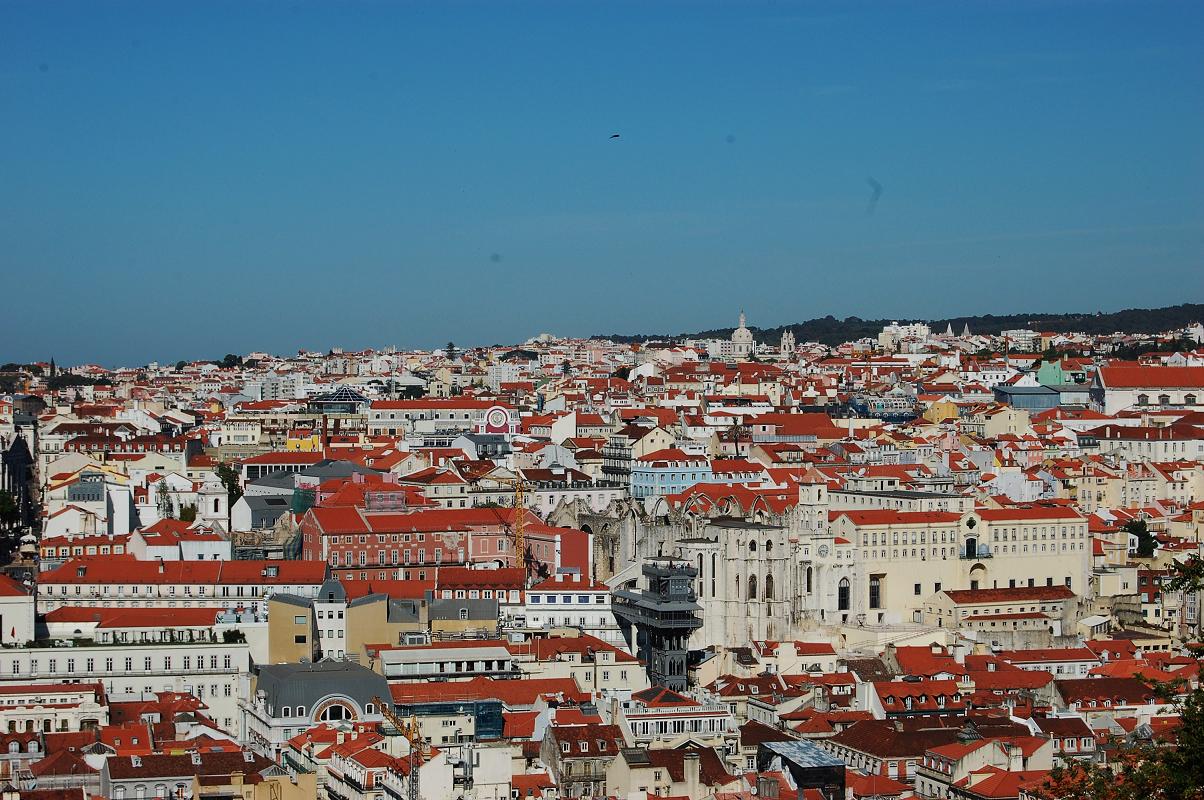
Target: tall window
column 768, row 587
column 875, row 591
column 752, row 587
column 842, row 595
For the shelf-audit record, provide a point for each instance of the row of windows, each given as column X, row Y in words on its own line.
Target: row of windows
column 90, row 550
column 381, row 538
column 949, row 537
column 567, row 599
column 952, row 552
column 147, row 664
column 1165, row 399
column 752, row 588
column 201, row 591
column 386, row 559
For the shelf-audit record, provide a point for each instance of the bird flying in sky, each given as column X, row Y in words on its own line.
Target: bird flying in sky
column 614, row 136
column 876, row 192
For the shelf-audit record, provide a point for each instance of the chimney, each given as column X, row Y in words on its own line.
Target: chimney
column 162, row 567
column 692, row 768
column 1015, row 758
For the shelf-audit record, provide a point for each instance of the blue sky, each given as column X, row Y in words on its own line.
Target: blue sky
column 182, row 180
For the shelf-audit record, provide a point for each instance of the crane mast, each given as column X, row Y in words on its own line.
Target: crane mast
column 518, row 526
column 408, row 729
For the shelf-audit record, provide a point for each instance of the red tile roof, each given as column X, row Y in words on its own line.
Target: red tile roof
column 1141, row 377
column 1018, row 594
column 513, row 693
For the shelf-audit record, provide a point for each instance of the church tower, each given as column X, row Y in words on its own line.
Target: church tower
column 788, row 346
column 742, row 341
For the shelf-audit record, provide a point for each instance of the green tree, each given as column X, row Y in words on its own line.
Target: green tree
column 181, row 364
column 1148, row 772
column 163, row 499
column 1146, row 544
column 188, row 513
column 228, row 475
column 450, row 351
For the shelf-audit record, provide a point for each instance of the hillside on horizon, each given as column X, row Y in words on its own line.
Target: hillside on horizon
column 830, row 330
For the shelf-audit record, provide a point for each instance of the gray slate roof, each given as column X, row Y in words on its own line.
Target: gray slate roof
column 308, row 684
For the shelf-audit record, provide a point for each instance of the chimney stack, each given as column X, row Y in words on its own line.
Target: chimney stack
column 692, row 767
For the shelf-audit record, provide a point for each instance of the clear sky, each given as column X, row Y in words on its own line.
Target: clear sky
column 182, row 180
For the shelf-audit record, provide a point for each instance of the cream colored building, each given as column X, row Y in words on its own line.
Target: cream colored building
column 294, row 786
column 903, row 558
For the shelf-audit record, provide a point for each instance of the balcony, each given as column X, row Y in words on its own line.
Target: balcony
column 984, row 551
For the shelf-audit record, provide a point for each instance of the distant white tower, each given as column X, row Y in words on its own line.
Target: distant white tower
column 787, row 347
column 742, row 341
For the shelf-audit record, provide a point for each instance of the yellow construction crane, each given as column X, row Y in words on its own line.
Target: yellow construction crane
column 520, row 516
column 413, row 734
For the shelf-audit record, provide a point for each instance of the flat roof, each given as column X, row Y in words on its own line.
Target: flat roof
column 804, row 753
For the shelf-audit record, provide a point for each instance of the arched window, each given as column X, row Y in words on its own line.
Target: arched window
column 737, row 587
column 32, row 747
column 768, row 587
column 768, row 545
column 334, row 713
column 216, row 505
column 752, row 587
column 842, row 595
column 752, row 546
column 808, row 580
column 14, row 747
